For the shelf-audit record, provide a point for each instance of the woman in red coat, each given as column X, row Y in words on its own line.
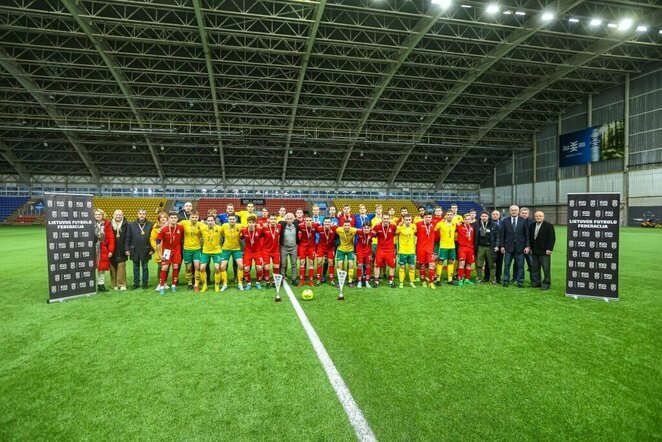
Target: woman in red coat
column 105, row 247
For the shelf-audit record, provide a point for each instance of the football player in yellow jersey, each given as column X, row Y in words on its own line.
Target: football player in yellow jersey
column 281, row 214
column 421, row 214
column 457, row 220
column 346, row 249
column 211, row 250
column 232, row 249
column 406, row 234
column 192, row 249
column 447, row 251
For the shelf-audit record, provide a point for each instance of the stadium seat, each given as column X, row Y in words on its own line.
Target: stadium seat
column 370, row 205
column 130, row 206
column 290, row 204
column 9, row 204
column 218, row 204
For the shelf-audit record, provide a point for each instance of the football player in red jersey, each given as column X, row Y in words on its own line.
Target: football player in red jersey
column 271, row 247
column 171, row 251
column 385, row 256
column 326, row 249
column 465, row 240
column 306, row 250
column 425, row 257
column 252, row 236
column 264, row 219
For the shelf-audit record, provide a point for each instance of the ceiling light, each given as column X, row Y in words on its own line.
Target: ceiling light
column 426, row 157
column 290, row 152
column 162, row 147
column 133, row 147
column 612, row 25
column 443, row 3
column 466, row 6
column 507, row 12
column 547, row 16
column 596, row 22
column 660, row 32
column 361, row 153
column 573, row 20
column 642, row 28
column 314, row 152
column 625, row 24
column 492, row 9
column 520, row 13
column 445, row 158
column 45, row 144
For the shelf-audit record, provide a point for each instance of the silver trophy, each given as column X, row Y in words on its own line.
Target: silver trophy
column 342, row 276
column 278, row 280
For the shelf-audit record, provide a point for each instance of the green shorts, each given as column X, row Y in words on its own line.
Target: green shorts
column 340, row 256
column 227, row 254
column 374, row 249
column 191, row 255
column 447, row 254
column 205, row 258
column 436, row 249
column 407, row 258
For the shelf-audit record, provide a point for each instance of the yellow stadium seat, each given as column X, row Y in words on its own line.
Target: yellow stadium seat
column 130, row 206
column 370, row 205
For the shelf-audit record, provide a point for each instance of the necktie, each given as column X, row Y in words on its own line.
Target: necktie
column 535, row 235
column 514, row 220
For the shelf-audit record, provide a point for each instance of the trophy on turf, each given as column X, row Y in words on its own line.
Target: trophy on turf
column 342, row 276
column 278, row 280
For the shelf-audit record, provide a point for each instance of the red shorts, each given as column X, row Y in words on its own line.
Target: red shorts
column 175, row 258
column 466, row 254
column 268, row 257
column 322, row 252
column 383, row 258
column 306, row 252
column 364, row 260
column 250, row 257
column 425, row 257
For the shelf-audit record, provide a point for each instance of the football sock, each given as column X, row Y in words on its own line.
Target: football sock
column 422, row 272
column 367, row 273
column 359, row 273
column 302, row 273
column 311, row 272
column 391, row 276
column 224, row 277
column 438, row 269
column 101, row 278
column 162, row 277
column 189, row 276
column 450, row 272
column 467, row 273
column 247, row 274
column 319, row 271
column 258, row 274
column 217, row 277
column 350, row 273
column 197, row 277
column 240, row 275
column 331, row 272
column 412, row 275
column 175, row 275
column 460, row 273
column 430, row 276
column 401, row 275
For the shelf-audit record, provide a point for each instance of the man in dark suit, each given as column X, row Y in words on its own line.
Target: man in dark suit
column 140, row 251
column 525, row 213
column 498, row 256
column 514, row 244
column 542, row 238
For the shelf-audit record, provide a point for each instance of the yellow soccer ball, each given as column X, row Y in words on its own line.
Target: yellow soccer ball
column 307, row 295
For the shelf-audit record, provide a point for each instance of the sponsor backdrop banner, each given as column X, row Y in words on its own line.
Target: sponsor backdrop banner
column 592, row 258
column 71, row 246
column 597, row 143
column 257, row 202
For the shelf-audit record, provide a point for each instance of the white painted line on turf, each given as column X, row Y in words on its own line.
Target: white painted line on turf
column 354, row 413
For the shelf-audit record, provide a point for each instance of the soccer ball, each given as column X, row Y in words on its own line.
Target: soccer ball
column 307, row 295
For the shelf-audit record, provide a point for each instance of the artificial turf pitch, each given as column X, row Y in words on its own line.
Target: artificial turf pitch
column 457, row 363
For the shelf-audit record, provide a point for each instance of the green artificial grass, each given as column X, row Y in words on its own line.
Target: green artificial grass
column 477, row 362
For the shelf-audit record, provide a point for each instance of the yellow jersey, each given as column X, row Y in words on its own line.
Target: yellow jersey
column 152, row 241
column 232, row 236
column 211, row 239
column 446, row 234
column 346, row 239
column 406, row 239
column 192, row 235
column 458, row 219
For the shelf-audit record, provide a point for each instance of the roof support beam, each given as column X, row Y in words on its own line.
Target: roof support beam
column 581, row 58
column 85, row 22
column 530, row 27
column 319, row 11
column 15, row 69
column 212, row 82
column 418, row 32
column 9, row 155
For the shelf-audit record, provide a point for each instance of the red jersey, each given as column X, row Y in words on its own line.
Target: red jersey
column 385, row 237
column 363, row 243
column 342, row 218
column 271, row 239
column 171, row 238
column 425, row 237
column 465, row 236
column 306, row 235
column 262, row 222
column 327, row 238
column 252, row 240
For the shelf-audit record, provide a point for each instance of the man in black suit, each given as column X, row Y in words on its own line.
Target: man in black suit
column 514, row 244
column 542, row 238
column 498, row 256
column 525, row 213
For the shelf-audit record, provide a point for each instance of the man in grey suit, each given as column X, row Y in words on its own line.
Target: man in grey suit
column 542, row 238
column 514, row 244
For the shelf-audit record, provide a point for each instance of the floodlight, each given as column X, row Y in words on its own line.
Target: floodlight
column 596, row 22
column 625, row 24
column 642, row 28
column 492, row 9
column 547, row 16
column 573, row 20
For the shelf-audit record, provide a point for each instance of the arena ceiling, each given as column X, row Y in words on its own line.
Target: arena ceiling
column 343, row 90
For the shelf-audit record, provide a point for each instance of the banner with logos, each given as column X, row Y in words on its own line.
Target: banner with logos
column 597, row 143
column 592, row 258
column 70, row 245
